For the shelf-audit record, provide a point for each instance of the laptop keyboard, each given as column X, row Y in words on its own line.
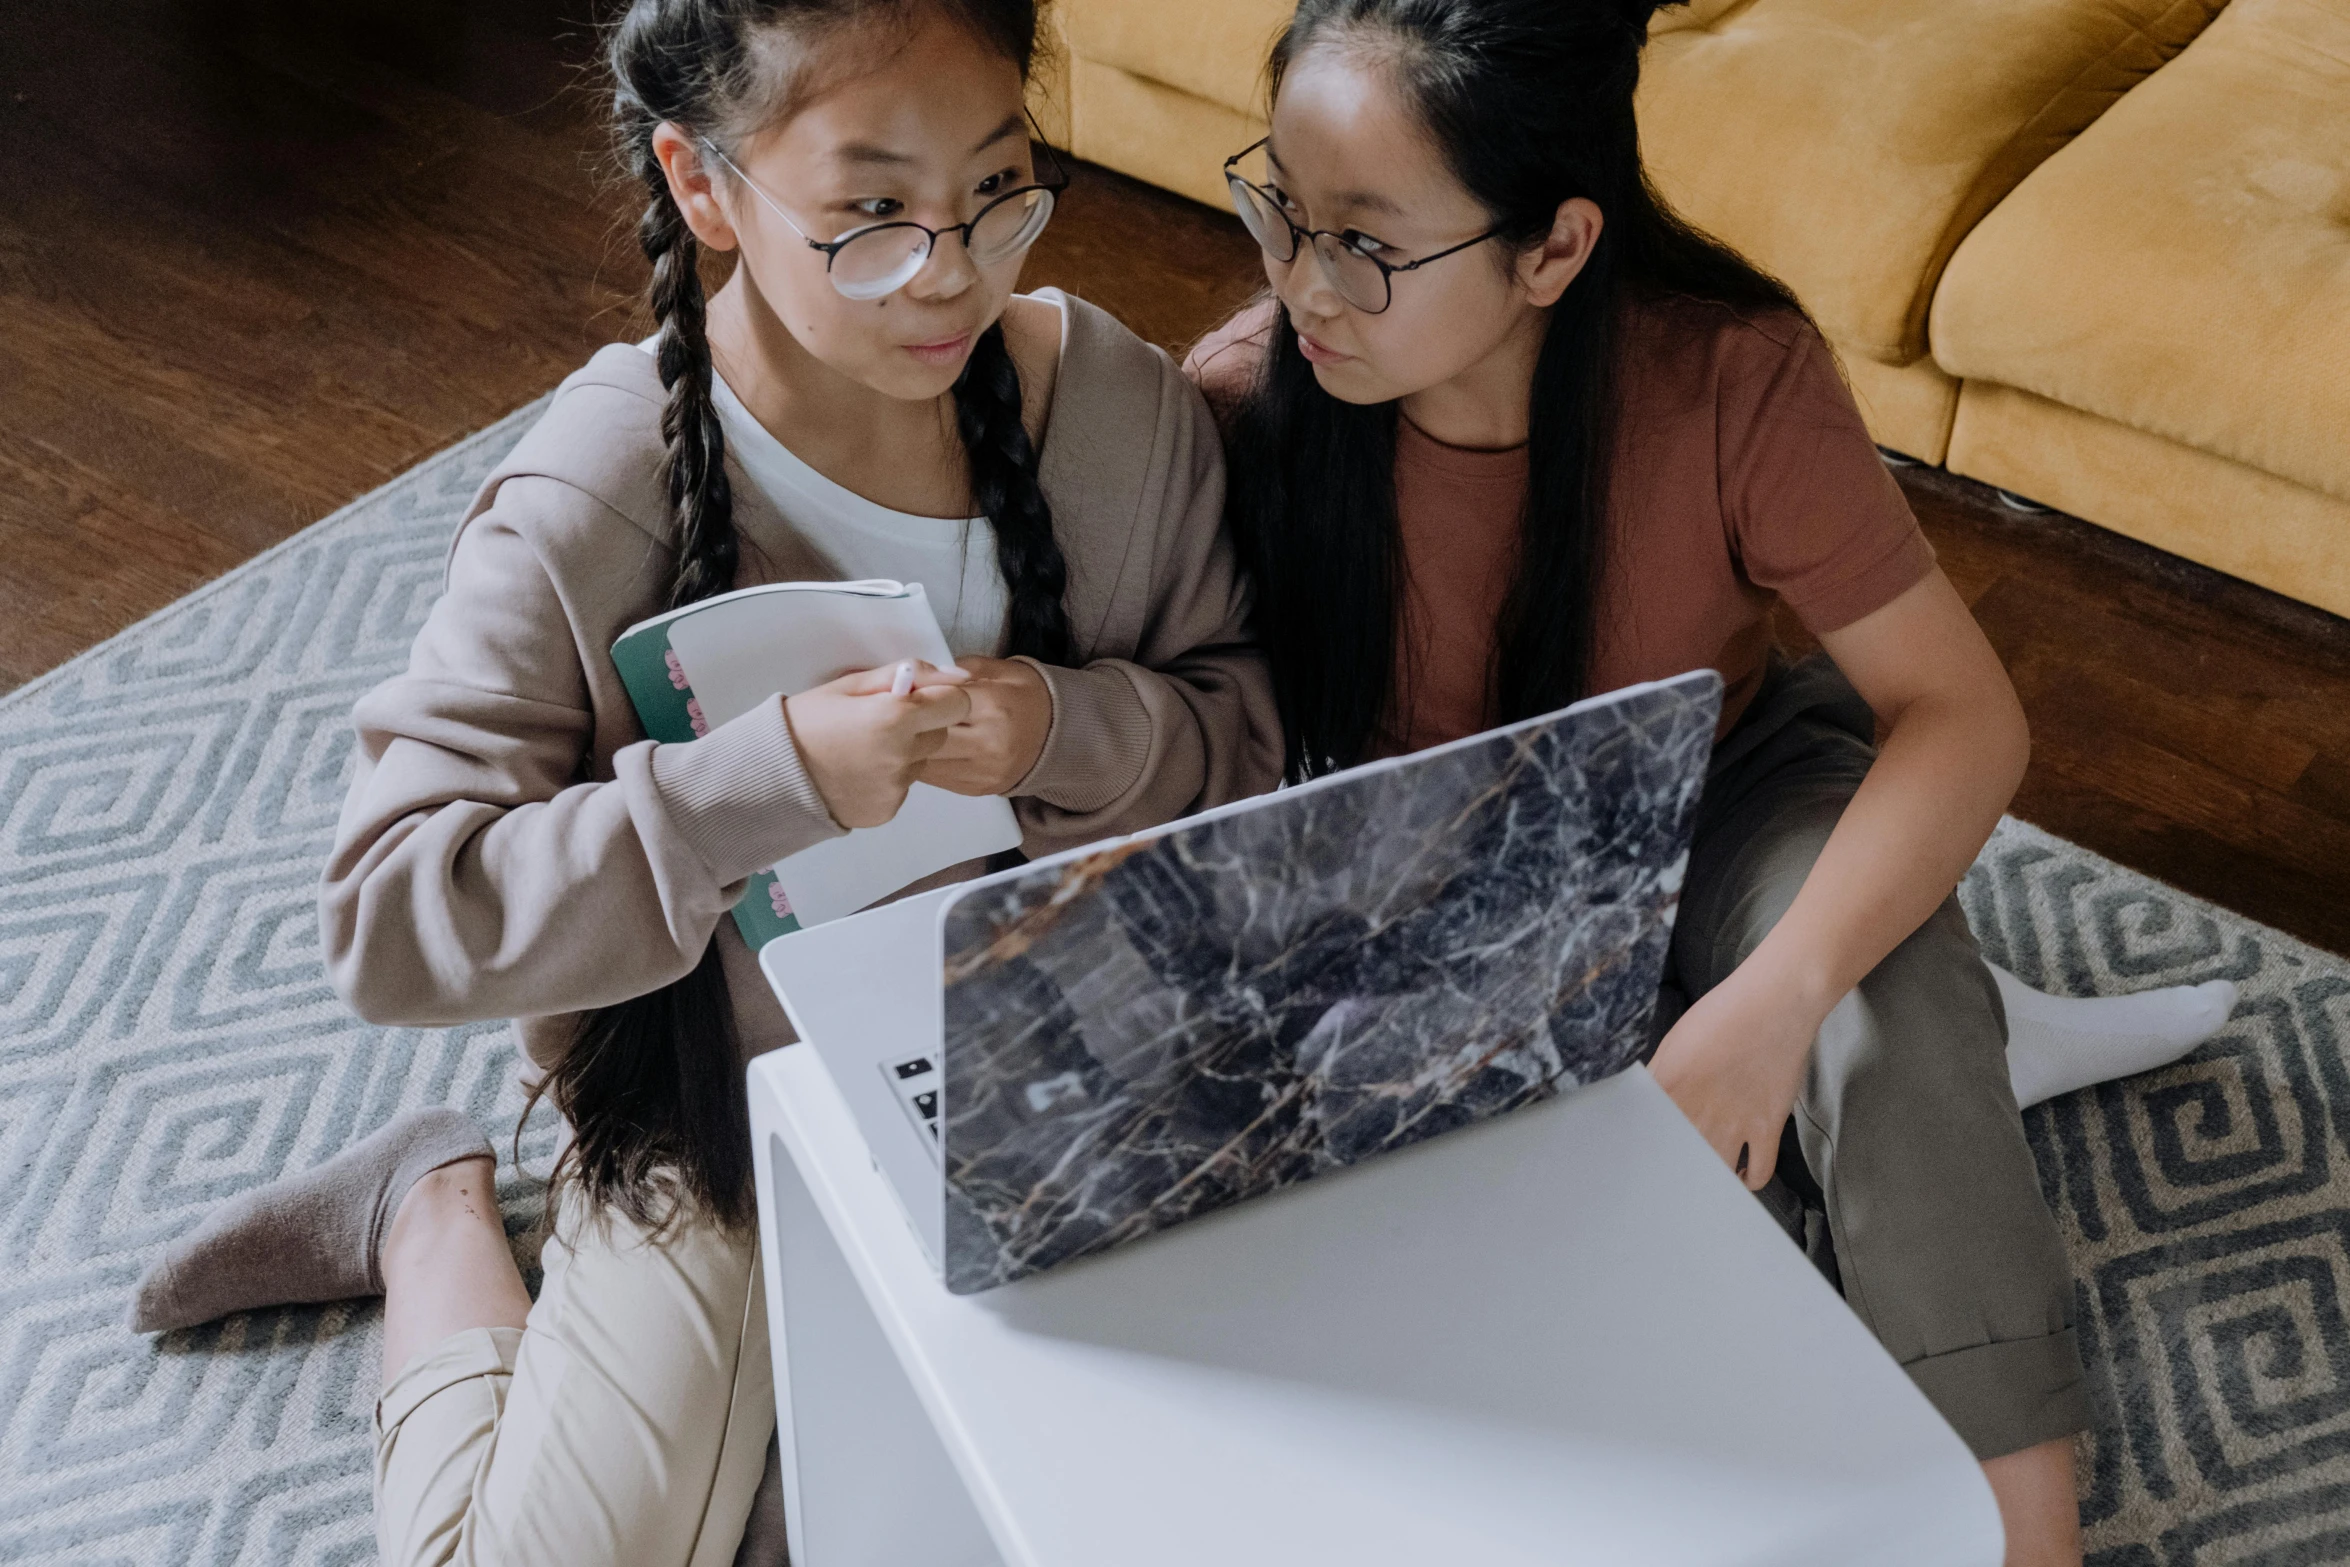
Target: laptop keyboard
column 916, row 1083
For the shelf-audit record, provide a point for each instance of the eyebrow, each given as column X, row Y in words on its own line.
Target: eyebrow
column 866, row 152
column 1012, row 126
column 1349, row 200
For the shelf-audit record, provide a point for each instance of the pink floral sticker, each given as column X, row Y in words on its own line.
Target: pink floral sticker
column 693, row 714
column 777, row 901
column 676, row 669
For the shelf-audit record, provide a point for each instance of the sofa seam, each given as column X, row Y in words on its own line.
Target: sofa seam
column 1947, row 245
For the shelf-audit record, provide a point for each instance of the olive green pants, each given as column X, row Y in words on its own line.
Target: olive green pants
column 1905, row 1136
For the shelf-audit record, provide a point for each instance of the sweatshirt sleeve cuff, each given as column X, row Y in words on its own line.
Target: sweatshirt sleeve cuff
column 1099, row 742
column 740, row 795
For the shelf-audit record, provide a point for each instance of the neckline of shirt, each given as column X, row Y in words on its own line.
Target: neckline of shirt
column 787, row 476
column 1419, row 449
column 779, row 468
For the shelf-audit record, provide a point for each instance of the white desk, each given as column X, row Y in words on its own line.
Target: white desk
column 1568, row 1335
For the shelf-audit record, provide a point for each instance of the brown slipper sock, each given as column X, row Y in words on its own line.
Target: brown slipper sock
column 310, row 1237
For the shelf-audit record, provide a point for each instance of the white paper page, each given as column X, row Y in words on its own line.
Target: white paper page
column 738, row 654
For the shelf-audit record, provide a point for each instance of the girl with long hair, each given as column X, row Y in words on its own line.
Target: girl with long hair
column 866, row 396
column 1507, row 432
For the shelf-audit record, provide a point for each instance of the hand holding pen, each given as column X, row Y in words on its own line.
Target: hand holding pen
column 863, row 754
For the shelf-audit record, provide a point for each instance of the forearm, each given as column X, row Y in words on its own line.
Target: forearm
column 1948, row 766
column 1132, row 747
column 453, row 895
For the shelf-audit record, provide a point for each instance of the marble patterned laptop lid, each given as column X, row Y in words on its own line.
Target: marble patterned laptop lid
column 1149, row 1032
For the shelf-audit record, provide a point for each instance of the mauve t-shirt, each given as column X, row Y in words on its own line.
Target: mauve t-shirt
column 1743, row 475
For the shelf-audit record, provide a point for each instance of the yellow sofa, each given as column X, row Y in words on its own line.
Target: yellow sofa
column 2153, row 331
column 2096, row 252
column 1164, row 90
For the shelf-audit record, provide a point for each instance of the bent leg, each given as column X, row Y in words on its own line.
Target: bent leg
column 626, row 1423
column 1906, row 1120
column 1944, row 1244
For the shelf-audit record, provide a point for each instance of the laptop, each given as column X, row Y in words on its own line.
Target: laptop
column 1069, row 1055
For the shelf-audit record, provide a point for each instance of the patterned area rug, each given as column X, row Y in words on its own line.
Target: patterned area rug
column 167, row 1038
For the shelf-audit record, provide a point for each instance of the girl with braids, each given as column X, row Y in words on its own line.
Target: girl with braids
column 866, row 396
column 1507, row 432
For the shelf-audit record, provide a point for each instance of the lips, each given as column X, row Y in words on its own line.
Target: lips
column 944, row 351
column 1319, row 353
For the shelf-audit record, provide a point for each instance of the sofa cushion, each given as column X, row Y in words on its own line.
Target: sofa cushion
column 2230, row 516
column 1174, row 139
column 1848, row 147
column 1212, row 49
column 2184, row 267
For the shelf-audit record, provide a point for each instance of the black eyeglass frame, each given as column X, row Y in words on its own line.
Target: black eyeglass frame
column 831, row 248
column 1305, row 237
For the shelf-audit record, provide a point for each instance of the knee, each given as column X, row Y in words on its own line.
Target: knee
column 1741, row 881
column 1924, row 1028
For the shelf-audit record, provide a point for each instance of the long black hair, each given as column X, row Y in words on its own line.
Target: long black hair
column 653, row 1087
column 1530, row 103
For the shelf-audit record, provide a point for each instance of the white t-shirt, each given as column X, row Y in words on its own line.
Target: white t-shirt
column 953, row 558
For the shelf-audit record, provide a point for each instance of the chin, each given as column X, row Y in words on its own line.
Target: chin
column 918, row 383
column 1353, row 382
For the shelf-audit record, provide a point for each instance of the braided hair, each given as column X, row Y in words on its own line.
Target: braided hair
column 652, row 1087
column 1005, row 489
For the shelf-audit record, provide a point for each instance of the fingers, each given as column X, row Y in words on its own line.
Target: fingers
column 883, row 678
column 866, row 682
column 938, row 707
column 932, row 698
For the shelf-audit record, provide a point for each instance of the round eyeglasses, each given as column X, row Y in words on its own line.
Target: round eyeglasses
column 882, row 258
column 1361, row 279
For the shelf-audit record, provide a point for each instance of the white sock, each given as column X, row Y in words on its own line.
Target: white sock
column 2056, row 1044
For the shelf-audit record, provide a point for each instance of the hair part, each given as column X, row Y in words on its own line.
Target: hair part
column 1530, row 105
column 653, row 1087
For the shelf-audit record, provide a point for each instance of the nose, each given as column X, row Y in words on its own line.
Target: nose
column 947, row 271
column 1304, row 286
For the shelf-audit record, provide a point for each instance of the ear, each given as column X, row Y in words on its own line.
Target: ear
column 689, row 167
column 1545, row 269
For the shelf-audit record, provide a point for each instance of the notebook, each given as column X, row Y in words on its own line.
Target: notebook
column 693, row 669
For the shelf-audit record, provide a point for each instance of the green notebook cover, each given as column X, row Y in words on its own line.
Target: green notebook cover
column 665, row 705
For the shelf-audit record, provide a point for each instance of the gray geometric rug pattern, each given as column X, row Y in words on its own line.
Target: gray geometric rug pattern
column 167, row 1037
column 2207, row 1210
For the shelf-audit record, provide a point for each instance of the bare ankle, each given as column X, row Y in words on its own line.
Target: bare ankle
column 446, row 1264
column 445, row 1203
column 2038, row 1504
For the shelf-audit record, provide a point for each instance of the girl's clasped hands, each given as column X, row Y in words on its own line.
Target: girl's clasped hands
column 867, row 737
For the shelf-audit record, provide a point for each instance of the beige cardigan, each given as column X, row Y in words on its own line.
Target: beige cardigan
column 512, row 845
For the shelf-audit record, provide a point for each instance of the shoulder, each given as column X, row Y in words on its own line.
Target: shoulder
column 1120, row 402
column 1725, row 347
column 579, row 501
column 1099, row 351
column 1739, row 375
column 1132, row 463
column 1034, row 326
column 1224, row 363
column 600, row 440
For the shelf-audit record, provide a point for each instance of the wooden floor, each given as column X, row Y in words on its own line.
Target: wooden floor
column 259, row 256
